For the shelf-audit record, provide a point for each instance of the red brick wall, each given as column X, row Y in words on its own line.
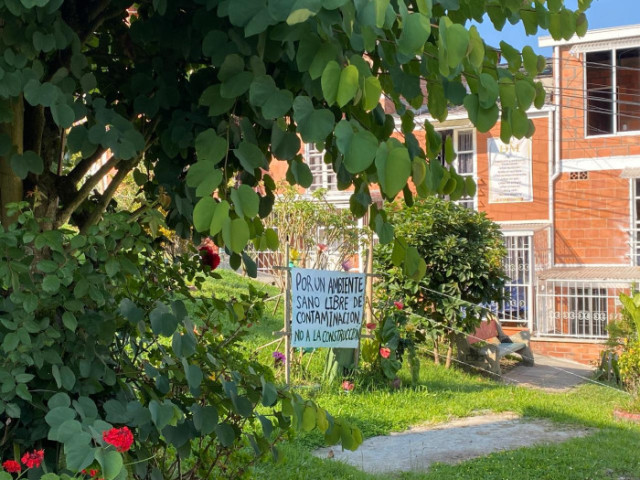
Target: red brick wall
column 592, row 219
column 574, row 142
column 586, row 353
column 521, row 211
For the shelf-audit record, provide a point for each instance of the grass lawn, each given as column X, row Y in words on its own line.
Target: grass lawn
column 611, row 452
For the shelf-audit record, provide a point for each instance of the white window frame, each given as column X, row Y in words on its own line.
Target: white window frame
column 635, row 222
column 528, row 277
column 614, row 81
column 474, row 162
column 321, row 173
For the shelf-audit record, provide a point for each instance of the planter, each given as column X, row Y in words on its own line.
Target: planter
column 628, row 416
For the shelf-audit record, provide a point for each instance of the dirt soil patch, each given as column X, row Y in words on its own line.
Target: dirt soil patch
column 453, row 442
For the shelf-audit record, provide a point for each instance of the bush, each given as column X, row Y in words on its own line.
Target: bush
column 629, row 365
column 463, row 251
column 394, row 339
column 95, row 335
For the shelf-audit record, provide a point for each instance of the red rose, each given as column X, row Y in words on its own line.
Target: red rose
column 209, row 257
column 11, row 466
column 121, row 438
column 371, row 326
column 33, row 459
column 399, row 305
column 385, row 352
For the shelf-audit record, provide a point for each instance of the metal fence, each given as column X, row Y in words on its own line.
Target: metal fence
column 578, row 308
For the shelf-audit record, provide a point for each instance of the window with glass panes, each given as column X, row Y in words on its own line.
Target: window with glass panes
column 612, row 78
column 323, row 174
column 464, row 164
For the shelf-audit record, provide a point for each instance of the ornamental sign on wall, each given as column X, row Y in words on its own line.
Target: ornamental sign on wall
column 510, row 177
column 327, row 308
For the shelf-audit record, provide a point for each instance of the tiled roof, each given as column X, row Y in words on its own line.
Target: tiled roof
column 591, row 273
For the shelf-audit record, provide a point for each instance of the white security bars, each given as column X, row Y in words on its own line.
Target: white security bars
column 518, row 289
column 578, row 308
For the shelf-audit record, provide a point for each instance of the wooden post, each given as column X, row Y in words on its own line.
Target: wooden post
column 369, row 282
column 368, row 295
column 287, row 315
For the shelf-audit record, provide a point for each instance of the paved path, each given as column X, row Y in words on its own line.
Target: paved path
column 416, row 449
column 551, row 374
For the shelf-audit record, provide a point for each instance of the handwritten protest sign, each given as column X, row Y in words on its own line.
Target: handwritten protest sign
column 327, row 308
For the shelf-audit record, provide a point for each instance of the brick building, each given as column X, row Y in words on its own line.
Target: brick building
column 567, row 200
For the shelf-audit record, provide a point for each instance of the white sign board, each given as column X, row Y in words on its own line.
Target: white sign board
column 327, row 308
column 510, row 171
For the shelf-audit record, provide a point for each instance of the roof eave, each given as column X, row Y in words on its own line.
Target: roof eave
column 597, row 35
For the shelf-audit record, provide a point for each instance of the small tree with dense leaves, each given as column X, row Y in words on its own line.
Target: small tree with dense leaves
column 463, row 251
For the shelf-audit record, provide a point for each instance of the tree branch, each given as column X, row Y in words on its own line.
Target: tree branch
column 108, row 194
column 85, row 190
column 84, row 165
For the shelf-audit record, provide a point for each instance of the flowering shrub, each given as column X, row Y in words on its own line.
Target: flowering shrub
column 463, row 251
column 98, row 347
column 394, row 336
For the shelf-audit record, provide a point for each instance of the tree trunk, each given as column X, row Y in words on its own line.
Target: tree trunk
column 449, row 355
column 11, row 189
column 436, row 351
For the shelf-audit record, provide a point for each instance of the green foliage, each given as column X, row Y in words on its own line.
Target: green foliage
column 96, row 331
column 395, row 337
column 219, row 89
column 320, row 234
column 463, row 252
column 620, row 359
column 629, row 365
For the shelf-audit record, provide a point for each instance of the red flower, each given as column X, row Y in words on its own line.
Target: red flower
column 399, row 305
column 347, row 385
column 385, row 352
column 371, row 326
column 33, row 459
column 121, row 438
column 208, row 256
column 11, row 466
column 322, row 247
column 93, row 472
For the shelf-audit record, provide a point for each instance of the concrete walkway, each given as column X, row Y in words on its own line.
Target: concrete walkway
column 416, row 449
column 549, row 374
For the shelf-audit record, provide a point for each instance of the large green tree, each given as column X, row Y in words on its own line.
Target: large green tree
column 198, row 97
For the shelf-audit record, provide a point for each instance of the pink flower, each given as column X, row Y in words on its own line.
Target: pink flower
column 33, row 459
column 371, row 326
column 279, row 358
column 347, row 385
column 11, row 466
column 121, row 438
column 385, row 352
column 399, row 305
